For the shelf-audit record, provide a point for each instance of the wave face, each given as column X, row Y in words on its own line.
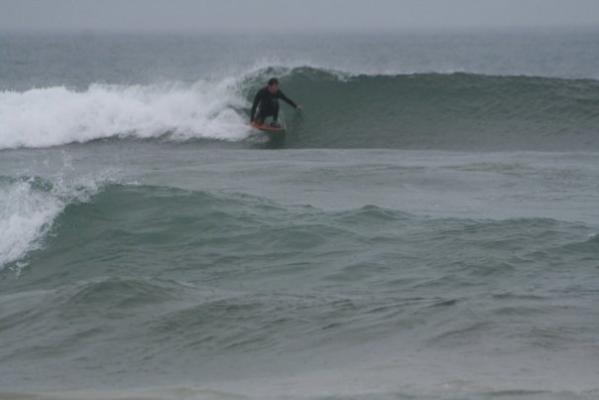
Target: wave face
column 425, row 111
column 456, row 111
column 139, row 277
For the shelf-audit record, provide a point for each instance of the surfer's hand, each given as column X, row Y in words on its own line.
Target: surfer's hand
column 299, row 107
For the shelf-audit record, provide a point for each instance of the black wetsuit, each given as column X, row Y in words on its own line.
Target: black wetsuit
column 267, row 104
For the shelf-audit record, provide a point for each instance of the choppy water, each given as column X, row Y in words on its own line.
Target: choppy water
column 427, row 229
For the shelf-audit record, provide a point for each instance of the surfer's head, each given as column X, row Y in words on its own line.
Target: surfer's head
column 273, row 85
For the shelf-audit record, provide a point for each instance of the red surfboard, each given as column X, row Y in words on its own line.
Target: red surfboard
column 267, row 128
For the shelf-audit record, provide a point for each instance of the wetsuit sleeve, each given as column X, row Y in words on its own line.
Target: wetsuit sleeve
column 257, row 100
column 286, row 99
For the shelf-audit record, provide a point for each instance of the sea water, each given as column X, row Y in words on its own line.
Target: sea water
column 427, row 228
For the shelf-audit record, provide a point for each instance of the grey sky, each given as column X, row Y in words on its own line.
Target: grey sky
column 292, row 15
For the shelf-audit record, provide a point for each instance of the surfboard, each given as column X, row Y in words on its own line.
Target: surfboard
column 267, row 128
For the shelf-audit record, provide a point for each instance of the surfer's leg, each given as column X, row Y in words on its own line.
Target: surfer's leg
column 275, row 111
column 262, row 114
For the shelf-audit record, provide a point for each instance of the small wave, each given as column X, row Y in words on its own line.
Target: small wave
column 28, row 209
column 586, row 247
column 121, row 293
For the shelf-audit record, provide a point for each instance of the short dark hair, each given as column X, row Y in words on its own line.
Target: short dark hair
column 273, row 81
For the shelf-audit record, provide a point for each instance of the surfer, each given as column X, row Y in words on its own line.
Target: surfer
column 266, row 103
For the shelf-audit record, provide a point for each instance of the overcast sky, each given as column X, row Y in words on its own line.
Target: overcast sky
column 291, row 15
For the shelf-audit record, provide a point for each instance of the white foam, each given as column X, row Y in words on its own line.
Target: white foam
column 28, row 210
column 58, row 115
column 25, row 216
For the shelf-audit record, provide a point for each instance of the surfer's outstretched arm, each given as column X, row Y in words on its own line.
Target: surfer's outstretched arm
column 288, row 100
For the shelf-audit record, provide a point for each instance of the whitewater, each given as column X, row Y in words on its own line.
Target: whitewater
column 426, row 229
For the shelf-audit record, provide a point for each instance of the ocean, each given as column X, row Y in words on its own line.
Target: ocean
column 428, row 227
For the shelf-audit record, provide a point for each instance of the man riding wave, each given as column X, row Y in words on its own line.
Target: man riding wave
column 266, row 103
